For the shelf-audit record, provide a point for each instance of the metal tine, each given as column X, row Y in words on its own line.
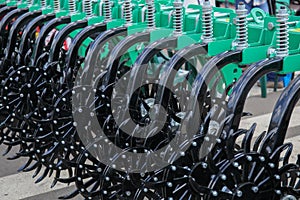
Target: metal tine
column 5, row 10
column 234, row 55
column 98, row 28
column 288, row 154
column 259, row 69
column 151, row 26
column 71, row 195
column 28, row 39
column 279, row 150
column 55, row 181
column 246, row 148
column 5, row 22
column 43, row 176
column 98, row 46
column 41, row 52
column 246, row 144
column 8, row 149
column 267, row 140
column 13, row 37
column 29, row 161
column 287, row 103
column 21, row 19
column 258, row 141
column 36, row 166
column 231, row 142
column 54, row 85
column 197, row 49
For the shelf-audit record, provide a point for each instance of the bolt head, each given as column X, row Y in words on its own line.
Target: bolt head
column 239, row 193
column 277, row 177
column 204, row 165
column 173, row 168
column 128, row 193
column 271, row 26
column 169, row 184
column 215, row 193
column 255, row 189
column 272, row 165
column 262, row 159
column 223, row 177
column 278, row 192
column 249, row 158
column 235, row 164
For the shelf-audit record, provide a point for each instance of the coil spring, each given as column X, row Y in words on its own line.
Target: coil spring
column 88, row 7
column 107, row 10
column 178, row 17
column 128, row 12
column 282, row 33
column 241, row 26
column 29, row 2
column 56, row 5
column 151, row 14
column 207, row 23
column 72, row 6
column 43, row 3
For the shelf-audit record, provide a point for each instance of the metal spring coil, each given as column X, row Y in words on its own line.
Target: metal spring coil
column 107, row 10
column 88, row 8
column 207, row 22
column 178, row 17
column 72, row 6
column 241, row 27
column 128, row 12
column 56, row 5
column 43, row 3
column 29, row 2
column 282, row 33
column 151, row 14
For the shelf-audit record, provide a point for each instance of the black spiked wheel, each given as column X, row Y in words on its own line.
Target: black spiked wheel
column 106, row 181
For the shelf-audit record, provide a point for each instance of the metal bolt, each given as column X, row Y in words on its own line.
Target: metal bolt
column 169, row 184
column 173, row 168
column 128, row 193
column 271, row 26
column 272, row 165
column 255, row 189
column 223, row 177
column 262, row 159
column 277, row 177
column 278, row 192
column 249, row 158
column 235, row 164
column 239, row 193
column 289, row 197
column 215, row 193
